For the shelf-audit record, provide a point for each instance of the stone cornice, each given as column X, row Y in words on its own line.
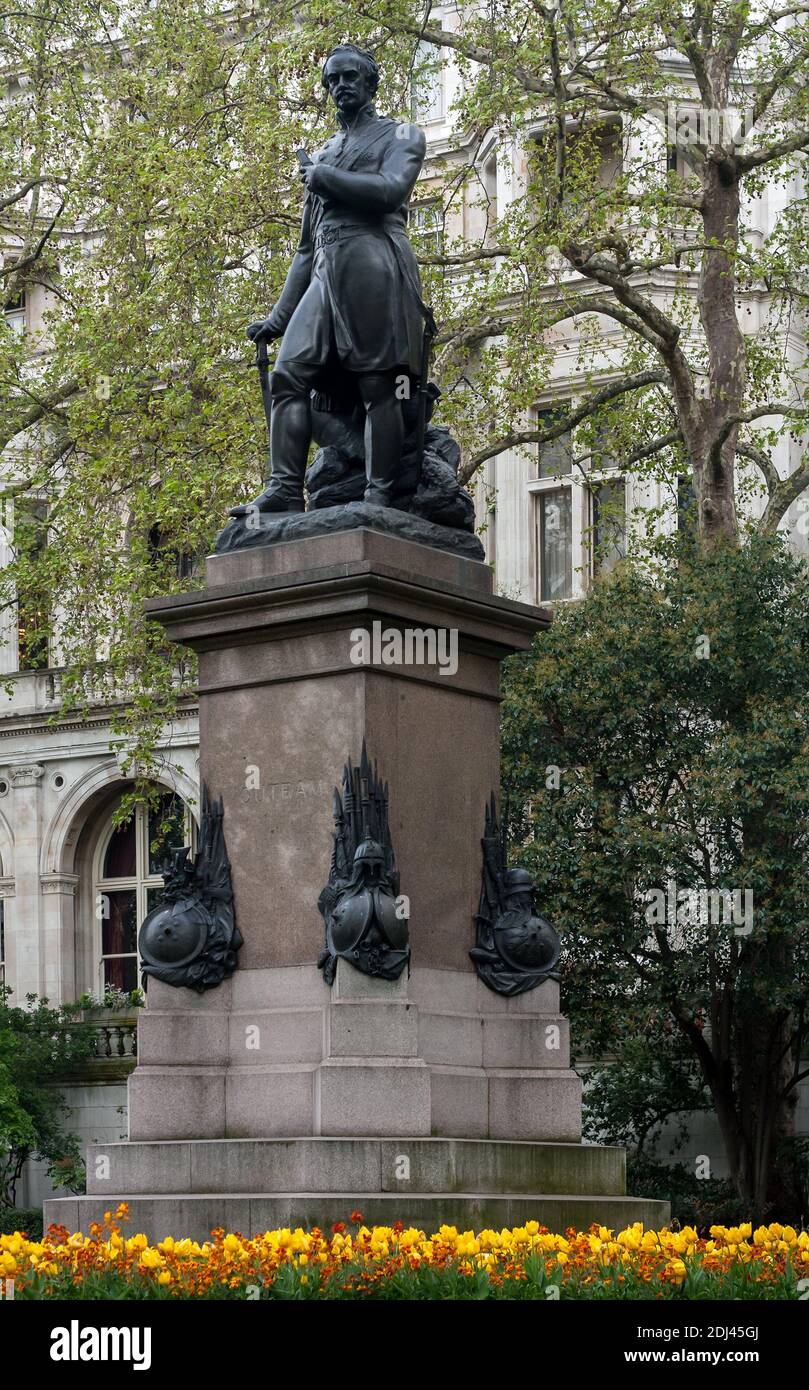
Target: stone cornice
column 9, row 728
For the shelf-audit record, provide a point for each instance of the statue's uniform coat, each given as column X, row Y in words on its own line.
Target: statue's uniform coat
column 353, row 292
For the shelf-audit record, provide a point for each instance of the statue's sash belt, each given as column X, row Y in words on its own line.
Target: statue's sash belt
column 330, row 235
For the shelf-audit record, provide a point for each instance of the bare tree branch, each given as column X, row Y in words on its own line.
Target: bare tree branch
column 758, row 412
column 486, row 253
column 26, row 188
column 30, row 258
column 455, row 340
column 756, row 158
column 645, row 451
column 610, row 97
column 43, row 406
column 781, row 499
column 595, row 266
column 763, row 461
column 566, row 422
column 444, row 38
column 777, row 80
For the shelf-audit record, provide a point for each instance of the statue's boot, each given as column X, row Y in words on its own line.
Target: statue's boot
column 384, row 435
column 378, row 497
column 290, row 436
column 274, row 498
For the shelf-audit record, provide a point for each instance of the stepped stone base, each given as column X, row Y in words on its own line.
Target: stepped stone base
column 253, row 1213
column 397, row 1165
column 256, row 1185
column 275, row 1101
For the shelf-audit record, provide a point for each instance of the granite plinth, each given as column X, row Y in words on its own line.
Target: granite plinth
column 279, row 1053
column 371, row 1165
column 285, row 700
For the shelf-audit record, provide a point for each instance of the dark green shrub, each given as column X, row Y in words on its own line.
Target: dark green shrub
column 25, row 1219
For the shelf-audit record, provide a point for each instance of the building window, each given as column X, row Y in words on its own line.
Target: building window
column 129, row 883
column 427, row 87
column 30, row 539
column 600, row 457
column 686, row 127
column 593, row 155
column 610, row 155
column 2, row 942
column 555, row 544
column 580, row 524
column 554, row 514
column 489, row 181
column 427, row 221
column 555, row 458
column 609, row 525
column 15, row 310
column 164, row 556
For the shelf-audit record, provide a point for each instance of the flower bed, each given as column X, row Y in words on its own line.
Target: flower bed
column 392, row 1262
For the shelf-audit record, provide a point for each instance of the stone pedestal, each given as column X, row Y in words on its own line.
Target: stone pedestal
column 283, row 704
column 274, row 1099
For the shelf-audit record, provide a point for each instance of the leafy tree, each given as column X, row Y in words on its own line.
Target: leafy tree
column 147, row 178
column 657, row 745
column 651, row 1079
column 38, row 1047
column 698, row 108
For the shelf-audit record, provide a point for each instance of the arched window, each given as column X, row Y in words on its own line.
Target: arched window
column 128, row 883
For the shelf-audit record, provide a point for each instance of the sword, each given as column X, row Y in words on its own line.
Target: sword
column 430, row 331
column 263, row 365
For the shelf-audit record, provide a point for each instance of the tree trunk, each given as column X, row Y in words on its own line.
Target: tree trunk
column 757, row 1120
column 712, row 444
column 764, row 1064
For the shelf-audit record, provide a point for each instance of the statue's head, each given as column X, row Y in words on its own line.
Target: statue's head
column 518, row 888
column 351, row 77
column 370, row 859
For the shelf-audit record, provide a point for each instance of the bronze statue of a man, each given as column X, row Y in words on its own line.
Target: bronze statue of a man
column 350, row 313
